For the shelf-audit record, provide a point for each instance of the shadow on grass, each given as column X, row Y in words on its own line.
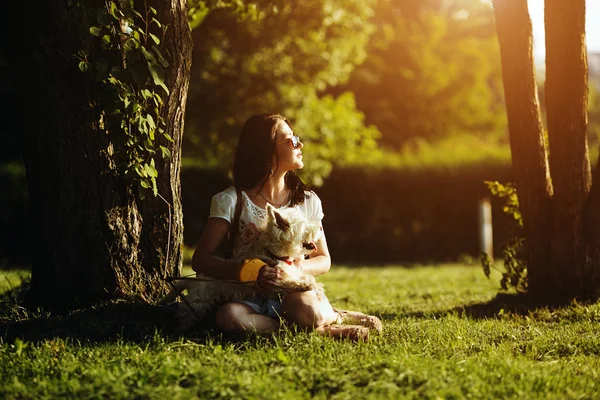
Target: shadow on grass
column 109, row 322
column 519, row 304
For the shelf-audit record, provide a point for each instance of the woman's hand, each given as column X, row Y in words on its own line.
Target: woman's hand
column 269, row 276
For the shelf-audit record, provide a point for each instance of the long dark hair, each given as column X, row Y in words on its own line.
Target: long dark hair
column 254, row 156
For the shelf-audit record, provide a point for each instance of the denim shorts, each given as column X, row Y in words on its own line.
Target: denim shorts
column 268, row 307
column 272, row 308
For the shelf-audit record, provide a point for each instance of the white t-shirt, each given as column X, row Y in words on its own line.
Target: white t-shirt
column 253, row 219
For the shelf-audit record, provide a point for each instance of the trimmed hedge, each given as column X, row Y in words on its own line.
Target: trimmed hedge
column 371, row 216
column 15, row 220
column 384, row 216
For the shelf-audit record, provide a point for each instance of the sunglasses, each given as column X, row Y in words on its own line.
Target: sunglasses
column 295, row 140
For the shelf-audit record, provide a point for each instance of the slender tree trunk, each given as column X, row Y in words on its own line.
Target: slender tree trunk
column 93, row 237
column 591, row 237
column 529, row 153
column 566, row 107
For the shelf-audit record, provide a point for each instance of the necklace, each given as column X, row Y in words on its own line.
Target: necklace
column 272, row 203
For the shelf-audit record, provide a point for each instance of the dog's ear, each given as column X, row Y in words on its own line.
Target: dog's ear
column 279, row 221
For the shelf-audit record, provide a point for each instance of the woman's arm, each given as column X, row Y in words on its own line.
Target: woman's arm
column 319, row 261
column 204, row 261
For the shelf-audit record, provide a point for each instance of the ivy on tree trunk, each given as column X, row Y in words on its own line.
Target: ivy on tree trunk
column 94, row 237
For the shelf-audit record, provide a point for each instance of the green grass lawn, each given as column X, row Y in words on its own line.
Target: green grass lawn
column 446, row 335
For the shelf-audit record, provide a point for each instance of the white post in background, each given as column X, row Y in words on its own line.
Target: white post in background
column 486, row 241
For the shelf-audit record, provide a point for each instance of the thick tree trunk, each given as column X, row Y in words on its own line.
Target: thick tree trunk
column 94, row 238
column 529, row 153
column 562, row 216
column 566, row 107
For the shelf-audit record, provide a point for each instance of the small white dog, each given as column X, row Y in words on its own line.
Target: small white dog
column 287, row 238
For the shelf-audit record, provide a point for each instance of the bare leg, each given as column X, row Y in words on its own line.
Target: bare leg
column 358, row 318
column 311, row 310
column 239, row 318
column 356, row 333
column 308, row 309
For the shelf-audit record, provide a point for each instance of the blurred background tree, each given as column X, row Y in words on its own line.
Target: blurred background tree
column 432, row 72
column 277, row 56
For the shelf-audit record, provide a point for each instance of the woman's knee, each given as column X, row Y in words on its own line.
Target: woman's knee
column 238, row 318
column 304, row 309
column 229, row 315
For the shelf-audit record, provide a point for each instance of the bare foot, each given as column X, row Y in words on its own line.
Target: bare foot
column 358, row 318
column 356, row 333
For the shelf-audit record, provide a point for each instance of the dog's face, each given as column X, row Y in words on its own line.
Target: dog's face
column 288, row 234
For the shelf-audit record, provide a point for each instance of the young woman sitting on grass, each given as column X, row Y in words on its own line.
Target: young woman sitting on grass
column 267, row 154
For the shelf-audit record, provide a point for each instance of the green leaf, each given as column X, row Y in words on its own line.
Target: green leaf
column 144, row 184
column 150, row 122
column 137, row 13
column 96, row 30
column 104, row 18
column 131, row 44
column 154, row 38
column 169, row 138
column 161, row 59
column 114, row 11
column 150, row 170
column 165, row 88
column 149, row 56
column 157, row 22
column 141, row 171
column 154, row 188
column 149, row 146
column 158, row 75
column 142, row 125
column 153, row 10
column 166, row 153
column 83, row 66
column 106, row 41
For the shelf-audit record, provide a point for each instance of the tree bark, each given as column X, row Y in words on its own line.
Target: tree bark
column 93, row 237
column 561, row 216
column 591, row 238
column 529, row 153
column 566, row 107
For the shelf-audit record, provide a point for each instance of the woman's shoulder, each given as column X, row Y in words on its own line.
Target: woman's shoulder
column 312, row 205
column 227, row 195
column 230, row 191
column 311, row 197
